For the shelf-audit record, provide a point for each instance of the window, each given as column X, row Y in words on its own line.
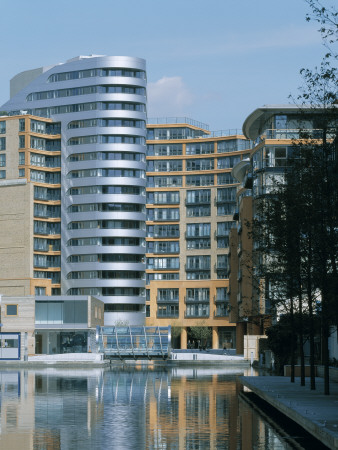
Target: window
column 22, row 125
column 2, row 160
column 200, row 164
column 164, row 150
column 199, row 148
column 21, row 172
column 198, row 211
column 3, row 127
column 198, row 295
column 21, row 158
column 233, row 145
column 11, row 310
column 198, row 267
column 198, row 230
column 200, row 180
column 2, row 174
column 40, row 290
column 22, row 142
column 227, row 162
column 199, row 196
column 167, row 295
column 225, row 178
column 2, row 143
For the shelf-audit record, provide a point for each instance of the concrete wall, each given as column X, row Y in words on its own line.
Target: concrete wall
column 251, row 345
column 23, row 322
column 95, row 312
column 16, row 239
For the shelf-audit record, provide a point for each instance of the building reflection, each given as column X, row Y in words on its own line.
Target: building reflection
column 135, row 407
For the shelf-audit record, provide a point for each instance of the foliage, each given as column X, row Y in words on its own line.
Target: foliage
column 201, row 332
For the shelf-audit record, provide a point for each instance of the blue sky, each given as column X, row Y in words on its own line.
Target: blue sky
column 214, row 61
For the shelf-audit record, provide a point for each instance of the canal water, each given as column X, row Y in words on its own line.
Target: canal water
column 130, row 408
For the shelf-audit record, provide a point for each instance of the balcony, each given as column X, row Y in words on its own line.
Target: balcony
column 195, row 300
column 198, row 202
column 188, row 315
column 167, row 301
column 169, row 315
column 223, row 299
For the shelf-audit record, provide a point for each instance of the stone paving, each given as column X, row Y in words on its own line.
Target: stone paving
column 314, row 411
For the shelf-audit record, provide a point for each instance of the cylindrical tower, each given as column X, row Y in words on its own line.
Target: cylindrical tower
column 101, row 104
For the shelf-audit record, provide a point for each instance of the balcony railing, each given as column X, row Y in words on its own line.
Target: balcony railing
column 177, row 120
column 195, row 315
column 195, row 300
column 167, row 301
column 294, row 134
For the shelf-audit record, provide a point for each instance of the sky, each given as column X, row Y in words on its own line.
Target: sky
column 214, row 61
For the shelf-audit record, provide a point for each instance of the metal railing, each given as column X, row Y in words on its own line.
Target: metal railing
column 175, row 121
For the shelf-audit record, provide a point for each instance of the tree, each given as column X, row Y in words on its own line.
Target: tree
column 201, row 333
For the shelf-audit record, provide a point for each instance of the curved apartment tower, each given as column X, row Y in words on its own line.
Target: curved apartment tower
column 100, row 102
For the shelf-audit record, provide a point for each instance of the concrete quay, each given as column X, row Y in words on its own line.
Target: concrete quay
column 315, row 412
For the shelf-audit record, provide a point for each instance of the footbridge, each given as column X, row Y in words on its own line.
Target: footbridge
column 135, row 342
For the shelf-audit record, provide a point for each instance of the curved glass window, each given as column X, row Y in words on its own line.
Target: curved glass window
column 106, row 275
column 89, row 106
column 133, row 173
column 85, row 190
column 106, row 224
column 120, row 241
column 106, row 139
column 106, row 257
column 78, row 74
column 85, row 90
column 121, row 207
column 87, row 123
column 106, row 156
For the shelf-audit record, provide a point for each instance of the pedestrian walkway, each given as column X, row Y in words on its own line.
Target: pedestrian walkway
column 315, row 412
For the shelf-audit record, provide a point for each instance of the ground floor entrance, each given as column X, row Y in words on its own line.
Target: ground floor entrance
column 56, row 342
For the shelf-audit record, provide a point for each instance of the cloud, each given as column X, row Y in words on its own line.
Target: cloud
column 168, row 96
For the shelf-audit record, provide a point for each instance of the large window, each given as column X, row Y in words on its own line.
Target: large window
column 202, row 148
column 164, row 166
column 3, row 160
column 198, row 295
column 200, row 164
column 168, row 310
column 3, row 127
column 169, row 181
column 159, row 198
column 227, row 162
column 165, row 214
column 198, row 211
column 198, row 267
column 198, row 196
column 167, row 295
column 198, row 230
column 78, row 74
column 199, row 180
column 163, row 263
column 164, row 150
column 163, row 247
column 233, row 145
column 61, row 312
column 225, row 178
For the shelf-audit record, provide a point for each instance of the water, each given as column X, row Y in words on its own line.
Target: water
column 135, row 408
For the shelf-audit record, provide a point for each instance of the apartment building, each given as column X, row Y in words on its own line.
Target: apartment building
column 275, row 130
column 82, row 189
column 30, row 198
column 191, row 200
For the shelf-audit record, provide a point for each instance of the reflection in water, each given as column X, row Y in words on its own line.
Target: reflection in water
column 130, row 408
